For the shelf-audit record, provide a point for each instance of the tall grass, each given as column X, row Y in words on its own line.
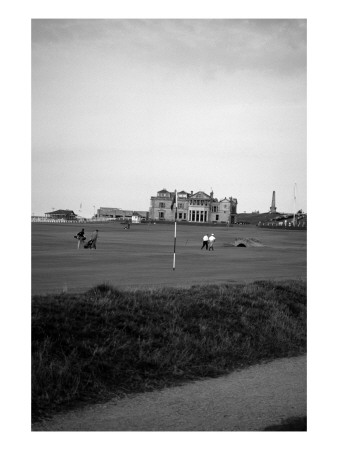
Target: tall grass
column 107, row 341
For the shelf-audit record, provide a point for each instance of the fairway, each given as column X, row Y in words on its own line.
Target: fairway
column 143, row 256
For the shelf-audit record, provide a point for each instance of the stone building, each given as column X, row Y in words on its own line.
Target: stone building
column 193, row 207
column 118, row 213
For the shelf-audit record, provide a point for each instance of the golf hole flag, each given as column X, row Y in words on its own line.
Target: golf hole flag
column 174, row 201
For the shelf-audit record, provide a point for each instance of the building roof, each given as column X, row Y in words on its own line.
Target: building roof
column 200, row 194
column 110, row 207
column 65, row 212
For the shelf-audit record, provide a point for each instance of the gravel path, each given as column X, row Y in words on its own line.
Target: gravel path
column 247, row 400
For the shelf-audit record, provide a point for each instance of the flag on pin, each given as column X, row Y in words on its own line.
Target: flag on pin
column 173, row 201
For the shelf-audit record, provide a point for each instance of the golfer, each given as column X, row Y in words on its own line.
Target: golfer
column 212, row 239
column 205, row 242
column 94, row 237
column 80, row 238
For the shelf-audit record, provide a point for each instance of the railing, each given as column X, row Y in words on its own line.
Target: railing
column 48, row 220
column 288, row 226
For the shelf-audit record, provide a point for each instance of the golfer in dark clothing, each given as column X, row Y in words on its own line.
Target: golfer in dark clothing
column 80, row 238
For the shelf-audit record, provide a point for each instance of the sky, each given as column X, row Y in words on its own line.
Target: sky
column 124, row 108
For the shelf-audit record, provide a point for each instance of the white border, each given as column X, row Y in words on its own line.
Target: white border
column 322, row 145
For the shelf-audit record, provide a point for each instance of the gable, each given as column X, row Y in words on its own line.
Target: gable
column 200, row 196
column 225, row 200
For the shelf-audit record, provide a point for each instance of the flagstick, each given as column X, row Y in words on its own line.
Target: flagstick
column 174, row 248
column 175, row 231
column 294, row 205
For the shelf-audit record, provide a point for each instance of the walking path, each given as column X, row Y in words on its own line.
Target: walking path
column 247, row 400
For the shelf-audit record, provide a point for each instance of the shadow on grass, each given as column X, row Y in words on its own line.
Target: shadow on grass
column 290, row 424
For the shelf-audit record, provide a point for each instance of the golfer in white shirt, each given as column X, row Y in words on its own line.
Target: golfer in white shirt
column 205, row 242
column 211, row 241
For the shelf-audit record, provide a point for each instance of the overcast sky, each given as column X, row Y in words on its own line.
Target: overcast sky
column 124, row 108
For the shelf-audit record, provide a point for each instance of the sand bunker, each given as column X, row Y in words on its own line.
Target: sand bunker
column 247, row 242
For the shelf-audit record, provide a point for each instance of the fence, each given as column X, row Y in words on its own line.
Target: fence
column 281, row 226
column 48, row 220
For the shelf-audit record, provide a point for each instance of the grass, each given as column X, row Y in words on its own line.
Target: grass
column 143, row 257
column 290, row 424
column 107, row 342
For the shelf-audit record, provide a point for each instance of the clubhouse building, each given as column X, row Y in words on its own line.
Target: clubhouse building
column 61, row 214
column 193, row 207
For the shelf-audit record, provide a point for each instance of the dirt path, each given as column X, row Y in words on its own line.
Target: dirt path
column 247, row 400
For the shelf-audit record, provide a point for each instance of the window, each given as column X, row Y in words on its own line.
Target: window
column 217, row 217
column 180, row 205
column 162, row 205
column 161, row 215
column 185, row 216
column 180, row 215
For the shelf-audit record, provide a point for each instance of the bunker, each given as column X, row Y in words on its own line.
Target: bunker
column 247, row 242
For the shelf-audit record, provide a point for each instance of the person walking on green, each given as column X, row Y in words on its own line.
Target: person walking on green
column 94, row 237
column 80, row 238
column 205, row 242
column 212, row 239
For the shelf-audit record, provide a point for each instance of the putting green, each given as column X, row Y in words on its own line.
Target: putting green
column 143, row 256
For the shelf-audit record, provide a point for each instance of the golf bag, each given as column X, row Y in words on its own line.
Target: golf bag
column 89, row 244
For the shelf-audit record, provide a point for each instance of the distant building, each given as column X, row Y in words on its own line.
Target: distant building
column 65, row 214
column 136, row 217
column 193, row 207
column 118, row 213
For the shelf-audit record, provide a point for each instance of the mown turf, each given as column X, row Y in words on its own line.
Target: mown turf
column 142, row 257
column 107, row 341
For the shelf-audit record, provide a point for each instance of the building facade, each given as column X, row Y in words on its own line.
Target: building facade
column 194, row 207
column 64, row 214
column 118, row 213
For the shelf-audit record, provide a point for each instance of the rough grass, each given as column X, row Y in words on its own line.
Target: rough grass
column 290, row 424
column 108, row 342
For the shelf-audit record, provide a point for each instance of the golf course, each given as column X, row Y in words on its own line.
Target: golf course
column 143, row 256
column 119, row 320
